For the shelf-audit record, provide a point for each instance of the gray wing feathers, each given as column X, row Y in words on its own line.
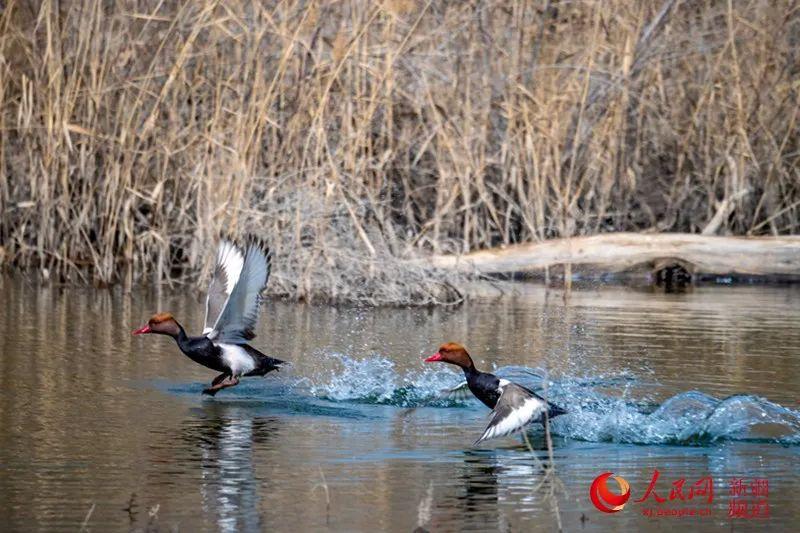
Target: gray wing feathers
column 458, row 393
column 240, row 314
column 516, row 408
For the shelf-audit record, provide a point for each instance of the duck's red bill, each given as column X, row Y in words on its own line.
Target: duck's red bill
column 435, row 357
column 143, row 329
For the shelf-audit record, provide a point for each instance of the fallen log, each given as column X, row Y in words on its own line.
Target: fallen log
column 654, row 253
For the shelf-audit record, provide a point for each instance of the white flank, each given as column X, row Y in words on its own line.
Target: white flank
column 237, row 359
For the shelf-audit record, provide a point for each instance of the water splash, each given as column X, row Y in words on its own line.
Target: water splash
column 689, row 418
column 376, row 381
column 601, row 408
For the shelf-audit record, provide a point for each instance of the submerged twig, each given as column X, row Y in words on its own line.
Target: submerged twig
column 86, row 519
column 324, row 485
column 550, row 477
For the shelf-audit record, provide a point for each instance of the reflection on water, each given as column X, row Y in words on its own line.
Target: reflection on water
column 491, row 480
column 479, row 500
column 92, row 418
column 225, row 437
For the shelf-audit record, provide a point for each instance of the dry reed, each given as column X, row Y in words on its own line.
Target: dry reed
column 355, row 135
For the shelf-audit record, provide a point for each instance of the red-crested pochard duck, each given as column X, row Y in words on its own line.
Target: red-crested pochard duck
column 232, row 306
column 513, row 406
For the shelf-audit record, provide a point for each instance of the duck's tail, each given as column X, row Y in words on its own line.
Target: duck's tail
column 553, row 410
column 264, row 363
column 267, row 364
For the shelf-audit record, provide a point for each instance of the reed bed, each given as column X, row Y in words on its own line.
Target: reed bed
column 356, row 135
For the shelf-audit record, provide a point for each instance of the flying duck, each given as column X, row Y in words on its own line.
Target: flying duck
column 232, row 306
column 513, row 406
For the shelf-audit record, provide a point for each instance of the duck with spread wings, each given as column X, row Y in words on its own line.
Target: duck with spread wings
column 513, row 406
column 232, row 308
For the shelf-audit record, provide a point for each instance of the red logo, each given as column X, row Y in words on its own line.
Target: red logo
column 604, row 499
column 749, row 498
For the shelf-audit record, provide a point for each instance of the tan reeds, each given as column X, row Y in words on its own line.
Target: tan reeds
column 356, row 134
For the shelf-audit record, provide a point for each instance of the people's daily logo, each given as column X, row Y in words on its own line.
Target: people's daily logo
column 606, row 500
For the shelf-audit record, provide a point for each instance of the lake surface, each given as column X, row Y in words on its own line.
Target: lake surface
column 108, row 431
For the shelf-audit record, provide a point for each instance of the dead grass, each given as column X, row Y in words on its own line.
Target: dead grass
column 355, row 135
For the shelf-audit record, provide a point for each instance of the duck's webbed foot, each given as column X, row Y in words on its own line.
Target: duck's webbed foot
column 221, row 382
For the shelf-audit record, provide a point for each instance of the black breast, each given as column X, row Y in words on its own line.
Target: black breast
column 201, row 350
column 485, row 387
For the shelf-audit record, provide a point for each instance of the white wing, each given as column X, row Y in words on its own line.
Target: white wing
column 516, row 408
column 230, row 260
column 239, row 316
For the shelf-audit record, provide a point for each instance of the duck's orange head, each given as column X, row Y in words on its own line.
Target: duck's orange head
column 163, row 323
column 452, row 353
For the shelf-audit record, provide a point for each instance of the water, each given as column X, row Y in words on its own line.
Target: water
column 108, row 430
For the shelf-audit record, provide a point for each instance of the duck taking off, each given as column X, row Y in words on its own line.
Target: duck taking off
column 232, row 306
column 513, row 406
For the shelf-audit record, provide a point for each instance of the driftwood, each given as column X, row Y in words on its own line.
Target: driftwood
column 618, row 252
